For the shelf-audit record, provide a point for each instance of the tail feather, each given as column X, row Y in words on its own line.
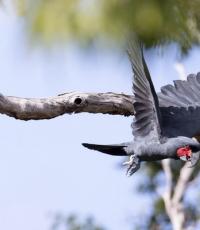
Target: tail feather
column 115, row 150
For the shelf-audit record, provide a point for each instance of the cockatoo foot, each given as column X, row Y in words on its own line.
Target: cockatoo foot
column 132, row 165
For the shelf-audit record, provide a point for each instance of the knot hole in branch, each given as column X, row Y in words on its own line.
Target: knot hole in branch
column 78, row 101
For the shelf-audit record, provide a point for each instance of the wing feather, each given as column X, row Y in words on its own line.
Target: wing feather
column 180, row 107
column 182, row 94
column 147, row 119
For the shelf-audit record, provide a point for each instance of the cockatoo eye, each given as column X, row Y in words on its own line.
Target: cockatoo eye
column 184, row 153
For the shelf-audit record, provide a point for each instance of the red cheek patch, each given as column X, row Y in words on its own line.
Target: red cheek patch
column 184, row 151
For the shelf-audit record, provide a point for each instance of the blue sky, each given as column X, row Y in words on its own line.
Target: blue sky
column 43, row 167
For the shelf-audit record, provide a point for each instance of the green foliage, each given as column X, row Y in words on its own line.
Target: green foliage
column 154, row 21
column 73, row 223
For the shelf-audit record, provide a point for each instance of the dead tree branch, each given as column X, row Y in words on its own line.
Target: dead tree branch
column 174, row 201
column 74, row 102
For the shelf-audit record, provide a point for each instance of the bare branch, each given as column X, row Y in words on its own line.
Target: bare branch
column 182, row 183
column 168, row 190
column 174, row 202
column 168, row 172
column 74, row 102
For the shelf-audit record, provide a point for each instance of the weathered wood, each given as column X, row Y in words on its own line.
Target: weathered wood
column 174, row 194
column 73, row 102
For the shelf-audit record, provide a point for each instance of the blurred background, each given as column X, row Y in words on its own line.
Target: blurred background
column 48, row 181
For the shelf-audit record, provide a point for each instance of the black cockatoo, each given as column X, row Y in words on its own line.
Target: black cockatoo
column 164, row 125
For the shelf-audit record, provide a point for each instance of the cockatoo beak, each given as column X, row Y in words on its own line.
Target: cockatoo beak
column 194, row 159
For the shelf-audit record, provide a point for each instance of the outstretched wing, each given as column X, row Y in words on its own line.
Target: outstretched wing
column 180, row 107
column 147, row 121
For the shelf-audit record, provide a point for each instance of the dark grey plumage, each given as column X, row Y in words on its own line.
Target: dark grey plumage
column 160, row 126
column 180, row 107
column 147, row 113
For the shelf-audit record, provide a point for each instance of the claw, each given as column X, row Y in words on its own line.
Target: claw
column 131, row 158
column 133, row 165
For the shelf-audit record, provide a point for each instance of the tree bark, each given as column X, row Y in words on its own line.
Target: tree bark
column 73, row 102
column 174, row 193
